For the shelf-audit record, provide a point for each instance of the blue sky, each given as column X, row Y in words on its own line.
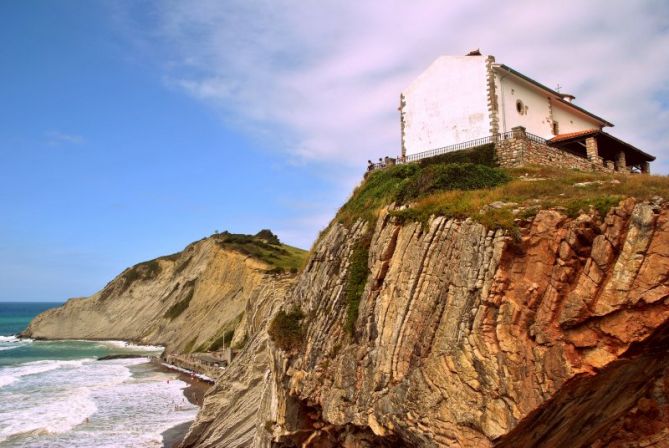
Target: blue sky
column 131, row 128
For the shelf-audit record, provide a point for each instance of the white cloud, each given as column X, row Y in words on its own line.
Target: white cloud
column 324, row 77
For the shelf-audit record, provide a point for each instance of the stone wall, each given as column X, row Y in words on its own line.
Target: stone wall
column 519, row 150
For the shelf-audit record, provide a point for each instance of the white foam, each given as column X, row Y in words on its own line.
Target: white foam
column 6, row 379
column 2, row 349
column 11, row 338
column 9, row 375
column 132, row 347
column 89, row 403
column 56, row 415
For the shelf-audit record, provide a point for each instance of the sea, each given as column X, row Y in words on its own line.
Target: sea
column 58, row 394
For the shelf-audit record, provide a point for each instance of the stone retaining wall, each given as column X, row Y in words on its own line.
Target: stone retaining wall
column 519, row 150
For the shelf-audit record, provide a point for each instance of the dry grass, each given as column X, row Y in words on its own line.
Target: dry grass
column 554, row 189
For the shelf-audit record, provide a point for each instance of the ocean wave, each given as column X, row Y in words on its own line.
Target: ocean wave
column 9, row 375
column 14, row 339
column 130, row 346
column 121, row 403
column 6, row 379
column 59, row 414
column 11, row 347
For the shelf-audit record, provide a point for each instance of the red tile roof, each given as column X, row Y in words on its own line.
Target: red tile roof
column 571, row 135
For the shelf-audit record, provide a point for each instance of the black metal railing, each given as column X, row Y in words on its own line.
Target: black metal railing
column 388, row 161
column 450, row 148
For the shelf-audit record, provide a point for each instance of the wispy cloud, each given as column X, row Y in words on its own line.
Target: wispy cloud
column 56, row 138
column 323, row 78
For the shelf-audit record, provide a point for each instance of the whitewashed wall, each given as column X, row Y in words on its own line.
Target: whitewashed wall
column 570, row 121
column 536, row 118
column 446, row 104
column 538, row 115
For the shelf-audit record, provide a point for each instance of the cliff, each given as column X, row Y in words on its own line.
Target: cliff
column 466, row 337
column 187, row 301
column 446, row 305
column 452, row 332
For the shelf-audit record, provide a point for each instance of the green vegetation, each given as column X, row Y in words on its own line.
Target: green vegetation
column 404, row 183
column 600, row 203
column 457, row 176
column 358, row 272
column 175, row 310
column 266, row 247
column 480, row 155
column 532, row 189
column 464, row 184
column 286, row 329
column 142, row 271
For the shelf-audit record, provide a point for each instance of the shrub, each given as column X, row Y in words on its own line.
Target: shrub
column 480, row 155
column 357, row 278
column 286, row 329
column 377, row 190
column 600, row 203
column 268, row 236
column 456, row 176
column 405, row 183
column 266, row 247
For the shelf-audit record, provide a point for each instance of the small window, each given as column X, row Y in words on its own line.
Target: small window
column 556, row 128
column 520, row 107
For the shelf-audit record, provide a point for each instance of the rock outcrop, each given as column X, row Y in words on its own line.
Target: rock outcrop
column 467, row 337
column 460, row 337
column 184, row 301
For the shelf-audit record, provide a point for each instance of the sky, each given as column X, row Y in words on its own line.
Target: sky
column 129, row 129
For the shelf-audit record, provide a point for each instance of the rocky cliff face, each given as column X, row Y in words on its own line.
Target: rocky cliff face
column 463, row 336
column 185, row 301
column 467, row 337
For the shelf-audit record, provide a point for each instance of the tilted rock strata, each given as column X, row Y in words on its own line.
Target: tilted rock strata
column 217, row 283
column 464, row 334
column 465, row 337
column 230, row 413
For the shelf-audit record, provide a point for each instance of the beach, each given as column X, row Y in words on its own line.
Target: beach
column 194, row 393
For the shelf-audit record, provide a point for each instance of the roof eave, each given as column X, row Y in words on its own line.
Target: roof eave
column 558, row 143
column 556, row 95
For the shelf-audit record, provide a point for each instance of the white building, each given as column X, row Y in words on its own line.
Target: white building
column 462, row 98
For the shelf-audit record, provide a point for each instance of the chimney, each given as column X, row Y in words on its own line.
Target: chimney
column 567, row 97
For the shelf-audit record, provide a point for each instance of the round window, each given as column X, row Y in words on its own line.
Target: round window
column 520, row 107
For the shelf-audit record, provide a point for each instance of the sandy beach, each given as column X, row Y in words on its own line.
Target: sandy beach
column 194, row 393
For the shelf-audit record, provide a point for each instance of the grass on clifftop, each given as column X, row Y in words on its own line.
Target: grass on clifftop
column 403, row 184
column 465, row 190
column 266, row 247
column 534, row 188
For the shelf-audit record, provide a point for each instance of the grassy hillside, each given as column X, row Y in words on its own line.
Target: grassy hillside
column 493, row 196
column 266, row 247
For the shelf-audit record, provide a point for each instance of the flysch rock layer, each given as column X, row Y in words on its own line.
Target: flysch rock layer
column 469, row 338
column 465, row 337
column 221, row 284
